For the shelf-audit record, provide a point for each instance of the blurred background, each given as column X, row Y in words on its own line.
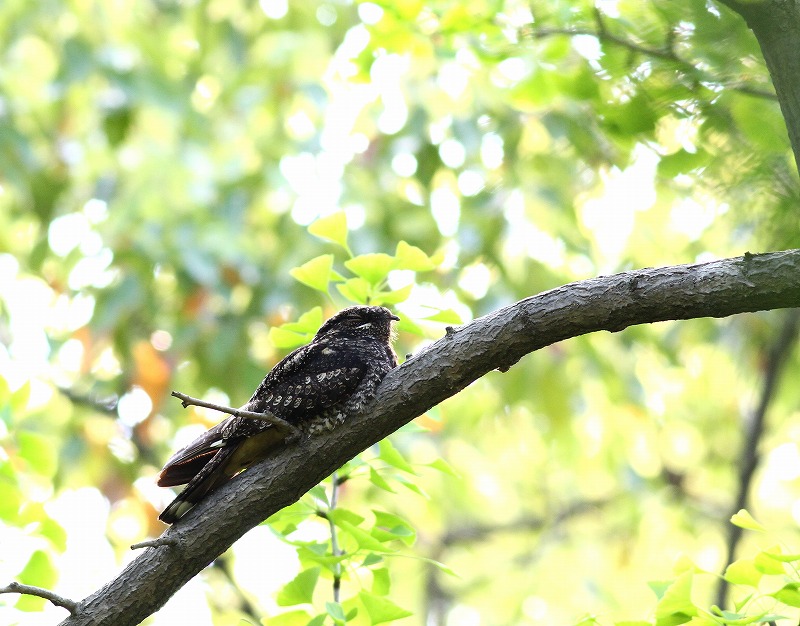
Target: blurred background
column 160, row 162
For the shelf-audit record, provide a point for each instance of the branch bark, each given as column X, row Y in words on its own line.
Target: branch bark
column 496, row 341
column 54, row 598
column 776, row 25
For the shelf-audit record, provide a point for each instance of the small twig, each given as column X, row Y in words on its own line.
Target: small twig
column 337, row 568
column 667, row 53
column 266, row 416
column 56, row 599
column 155, row 543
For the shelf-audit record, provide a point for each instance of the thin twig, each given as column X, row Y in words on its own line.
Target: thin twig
column 155, row 543
column 667, row 53
column 337, row 568
column 778, row 355
column 224, row 567
column 266, row 416
column 438, row 599
column 29, row 590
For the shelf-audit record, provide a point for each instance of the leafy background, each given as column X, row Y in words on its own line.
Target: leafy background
column 160, row 165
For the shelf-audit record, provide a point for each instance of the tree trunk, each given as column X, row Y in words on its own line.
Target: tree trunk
column 776, row 25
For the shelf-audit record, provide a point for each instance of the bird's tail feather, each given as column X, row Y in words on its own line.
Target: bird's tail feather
column 211, row 476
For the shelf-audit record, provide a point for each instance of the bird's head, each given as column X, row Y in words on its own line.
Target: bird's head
column 373, row 321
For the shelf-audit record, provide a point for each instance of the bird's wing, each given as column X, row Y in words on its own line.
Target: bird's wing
column 189, row 460
column 309, row 381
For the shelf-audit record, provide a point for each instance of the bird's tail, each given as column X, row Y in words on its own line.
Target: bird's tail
column 211, row 476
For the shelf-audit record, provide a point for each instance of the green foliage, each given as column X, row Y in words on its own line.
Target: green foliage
column 187, row 190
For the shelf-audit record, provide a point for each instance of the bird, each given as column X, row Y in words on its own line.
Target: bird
column 313, row 388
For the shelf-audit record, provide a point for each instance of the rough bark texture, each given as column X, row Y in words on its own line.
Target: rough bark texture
column 776, row 25
column 496, row 341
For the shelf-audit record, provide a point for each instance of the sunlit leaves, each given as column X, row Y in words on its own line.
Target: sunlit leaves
column 301, row 589
column 381, row 609
column 743, row 572
column 743, row 519
column 39, row 572
column 315, row 273
column 298, row 333
column 392, row 456
column 374, row 268
column 410, row 257
column 369, row 273
column 332, row 227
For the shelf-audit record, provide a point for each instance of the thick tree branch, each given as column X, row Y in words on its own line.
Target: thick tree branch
column 776, row 25
column 56, row 599
column 496, row 341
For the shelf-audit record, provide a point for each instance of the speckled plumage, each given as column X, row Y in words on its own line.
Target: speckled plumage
column 314, row 388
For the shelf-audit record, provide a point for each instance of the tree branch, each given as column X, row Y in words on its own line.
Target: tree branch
column 754, row 430
column 667, row 53
column 438, row 600
column 498, row 340
column 266, row 416
column 774, row 23
column 56, row 599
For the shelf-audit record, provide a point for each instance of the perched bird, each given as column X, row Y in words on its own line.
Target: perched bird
column 313, row 388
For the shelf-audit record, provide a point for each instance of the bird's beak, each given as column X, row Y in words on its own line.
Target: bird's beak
column 394, row 317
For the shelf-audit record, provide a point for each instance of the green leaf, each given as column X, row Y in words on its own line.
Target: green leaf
column 300, row 590
column 39, row 572
column 287, row 339
column 315, row 273
column 775, row 552
column 39, row 451
column 444, row 467
column 308, row 323
column 743, row 572
column 440, row 566
column 332, row 227
column 381, row 609
column 408, row 257
column 411, row 485
column 681, row 162
column 448, row 316
column 374, row 267
column 676, row 606
column 372, row 559
column 335, row 610
column 379, row 481
column 320, row 493
column 407, row 326
column 389, row 526
column 391, row 455
column 54, row 532
column 356, row 290
column 345, row 515
column 766, row 563
column 20, row 398
column 10, row 498
column 381, row 582
column 364, row 539
column 743, row 519
column 292, row 618
column 392, row 297
column 789, row 594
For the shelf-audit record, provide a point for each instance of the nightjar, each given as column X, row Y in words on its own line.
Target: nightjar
column 313, row 388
